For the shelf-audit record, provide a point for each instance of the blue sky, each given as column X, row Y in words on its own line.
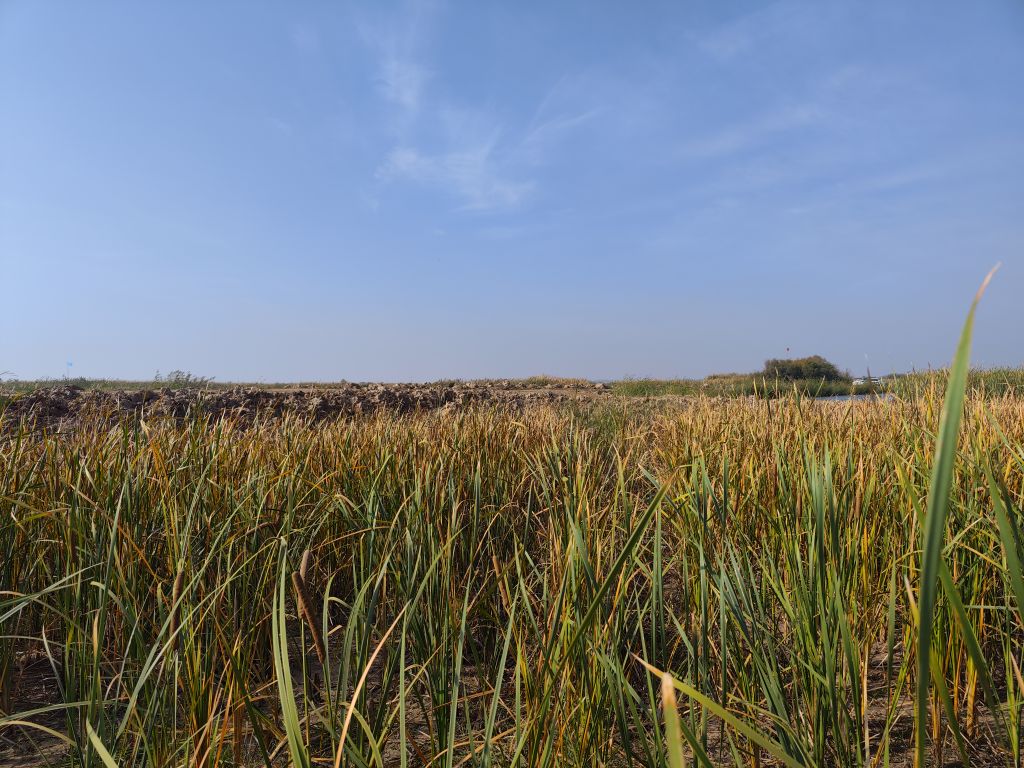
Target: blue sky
column 410, row 191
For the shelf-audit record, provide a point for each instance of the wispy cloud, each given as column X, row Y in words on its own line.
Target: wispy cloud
column 398, row 41
column 476, row 158
column 402, row 79
column 757, row 130
column 471, row 174
column 743, row 35
column 464, row 150
column 560, row 112
column 451, row 148
column 541, row 137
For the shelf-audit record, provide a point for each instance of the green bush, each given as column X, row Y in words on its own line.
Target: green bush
column 813, row 367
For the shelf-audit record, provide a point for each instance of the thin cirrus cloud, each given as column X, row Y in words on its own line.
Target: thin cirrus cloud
column 402, row 80
column 752, row 133
column 785, row 21
column 468, row 173
column 552, row 124
column 396, row 44
column 462, row 162
column 474, row 162
column 458, row 148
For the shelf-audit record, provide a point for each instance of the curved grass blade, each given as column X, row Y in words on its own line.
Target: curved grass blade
column 769, row 745
column 675, row 730
column 1010, row 538
column 282, row 669
column 934, row 530
column 101, row 750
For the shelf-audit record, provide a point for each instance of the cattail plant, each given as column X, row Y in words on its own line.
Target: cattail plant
column 305, row 605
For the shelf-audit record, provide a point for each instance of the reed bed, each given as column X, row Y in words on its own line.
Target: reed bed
column 540, row 587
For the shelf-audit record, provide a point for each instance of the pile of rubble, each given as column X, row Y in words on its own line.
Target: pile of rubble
column 65, row 405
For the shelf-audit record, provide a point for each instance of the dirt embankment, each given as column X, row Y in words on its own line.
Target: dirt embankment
column 60, row 406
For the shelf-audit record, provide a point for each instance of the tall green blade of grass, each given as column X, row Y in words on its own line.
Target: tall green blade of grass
column 456, row 681
column 933, row 534
column 487, row 756
column 1010, row 539
column 282, row 669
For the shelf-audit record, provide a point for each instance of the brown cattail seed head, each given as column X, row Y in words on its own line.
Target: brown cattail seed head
column 305, row 608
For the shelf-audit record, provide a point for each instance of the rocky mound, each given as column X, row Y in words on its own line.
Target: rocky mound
column 59, row 406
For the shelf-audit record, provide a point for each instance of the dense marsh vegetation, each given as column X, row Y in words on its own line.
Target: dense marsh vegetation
column 483, row 589
column 740, row 582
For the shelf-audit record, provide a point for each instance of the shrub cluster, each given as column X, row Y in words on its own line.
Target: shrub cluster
column 813, row 367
